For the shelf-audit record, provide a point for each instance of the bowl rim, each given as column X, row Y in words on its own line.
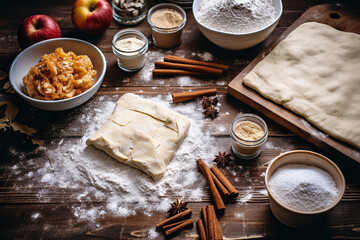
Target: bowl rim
column 98, row 82
column 328, row 161
column 237, row 34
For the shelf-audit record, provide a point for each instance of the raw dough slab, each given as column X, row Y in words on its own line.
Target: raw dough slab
column 142, row 133
column 315, row 73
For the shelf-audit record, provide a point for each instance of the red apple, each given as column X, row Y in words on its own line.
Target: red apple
column 37, row 28
column 91, row 16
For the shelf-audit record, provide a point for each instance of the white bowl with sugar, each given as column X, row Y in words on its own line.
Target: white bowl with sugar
column 237, row 24
column 303, row 187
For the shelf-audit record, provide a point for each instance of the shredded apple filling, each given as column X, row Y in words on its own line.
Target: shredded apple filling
column 59, row 75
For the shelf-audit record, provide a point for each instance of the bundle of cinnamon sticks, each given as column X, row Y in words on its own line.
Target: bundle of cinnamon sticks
column 208, row 225
column 175, row 66
column 220, row 186
column 175, row 224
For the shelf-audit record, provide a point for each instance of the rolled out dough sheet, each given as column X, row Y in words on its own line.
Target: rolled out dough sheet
column 142, row 134
column 315, row 72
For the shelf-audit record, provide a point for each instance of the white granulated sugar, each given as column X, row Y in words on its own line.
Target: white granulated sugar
column 70, row 163
column 236, row 16
column 303, row 187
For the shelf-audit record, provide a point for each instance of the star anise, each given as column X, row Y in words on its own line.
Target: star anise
column 211, row 112
column 177, row 207
column 207, row 102
column 222, row 158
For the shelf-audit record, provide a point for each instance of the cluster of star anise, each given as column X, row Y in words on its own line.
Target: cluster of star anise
column 208, row 105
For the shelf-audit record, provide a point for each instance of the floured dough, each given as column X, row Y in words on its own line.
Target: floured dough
column 315, row 72
column 142, row 133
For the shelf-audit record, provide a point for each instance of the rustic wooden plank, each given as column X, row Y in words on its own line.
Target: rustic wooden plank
column 241, row 221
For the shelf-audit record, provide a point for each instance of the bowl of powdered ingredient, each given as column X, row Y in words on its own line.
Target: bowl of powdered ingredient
column 237, row 24
column 303, row 187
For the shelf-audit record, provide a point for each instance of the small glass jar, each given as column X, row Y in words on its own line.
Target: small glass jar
column 134, row 59
column 247, row 149
column 129, row 12
column 166, row 37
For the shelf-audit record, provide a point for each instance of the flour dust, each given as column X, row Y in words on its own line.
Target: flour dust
column 70, row 164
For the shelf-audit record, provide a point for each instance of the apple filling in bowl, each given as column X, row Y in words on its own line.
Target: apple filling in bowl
column 59, row 75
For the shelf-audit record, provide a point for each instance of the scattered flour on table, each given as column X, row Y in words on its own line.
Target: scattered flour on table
column 315, row 132
column 236, row 16
column 35, row 215
column 71, row 164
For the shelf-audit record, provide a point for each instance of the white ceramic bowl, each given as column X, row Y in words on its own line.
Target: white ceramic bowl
column 31, row 55
column 239, row 41
column 296, row 218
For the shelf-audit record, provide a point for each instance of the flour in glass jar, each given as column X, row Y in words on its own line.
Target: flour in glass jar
column 236, row 16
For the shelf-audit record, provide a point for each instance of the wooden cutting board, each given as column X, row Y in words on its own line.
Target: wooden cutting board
column 336, row 16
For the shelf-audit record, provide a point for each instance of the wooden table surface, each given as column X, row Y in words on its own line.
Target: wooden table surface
column 28, row 213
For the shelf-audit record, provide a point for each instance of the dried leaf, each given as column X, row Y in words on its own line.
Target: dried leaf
column 22, row 128
column 7, row 85
column 4, row 119
column 4, row 125
column 10, row 90
column 2, row 103
column 11, row 111
column 37, row 141
column 3, row 75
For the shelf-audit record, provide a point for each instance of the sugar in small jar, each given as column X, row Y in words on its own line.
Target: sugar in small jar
column 248, row 133
column 130, row 47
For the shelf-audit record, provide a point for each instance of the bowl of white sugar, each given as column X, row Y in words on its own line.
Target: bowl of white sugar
column 303, row 187
column 237, row 24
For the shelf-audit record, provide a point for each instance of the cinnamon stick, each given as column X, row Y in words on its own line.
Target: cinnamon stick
column 167, row 227
column 220, row 187
column 175, row 72
column 201, row 229
column 218, row 233
column 211, row 221
column 184, row 96
column 224, row 181
column 177, row 59
column 196, row 68
column 205, row 220
column 175, row 230
column 174, row 218
column 218, row 202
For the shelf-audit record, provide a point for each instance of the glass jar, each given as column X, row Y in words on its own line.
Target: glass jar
column 129, row 12
column 245, row 148
column 166, row 37
column 130, row 60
